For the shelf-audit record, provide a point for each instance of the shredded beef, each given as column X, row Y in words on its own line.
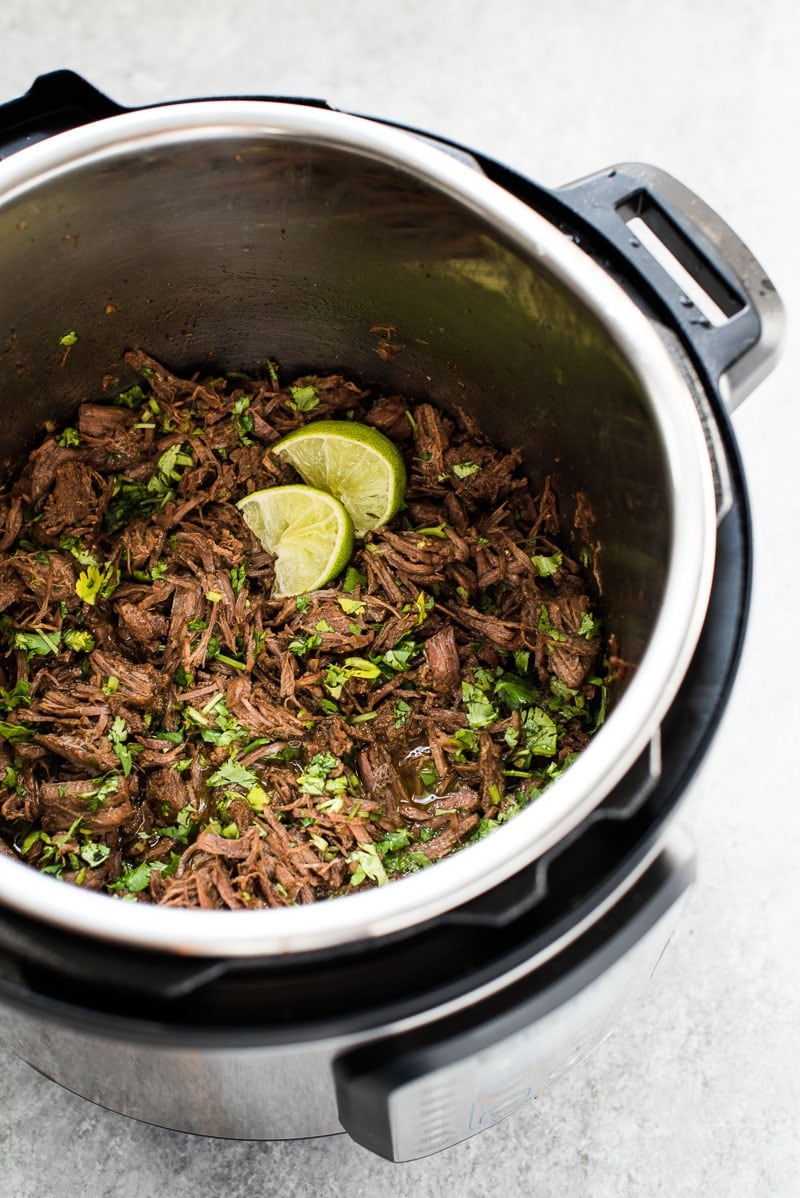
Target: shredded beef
column 172, row 734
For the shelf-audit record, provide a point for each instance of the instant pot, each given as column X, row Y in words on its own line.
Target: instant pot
column 226, row 232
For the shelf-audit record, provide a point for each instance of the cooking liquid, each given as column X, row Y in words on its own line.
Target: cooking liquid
column 419, row 775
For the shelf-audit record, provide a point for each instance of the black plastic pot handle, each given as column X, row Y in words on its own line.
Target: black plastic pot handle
column 56, row 102
column 741, row 347
column 422, row 1090
column 63, row 100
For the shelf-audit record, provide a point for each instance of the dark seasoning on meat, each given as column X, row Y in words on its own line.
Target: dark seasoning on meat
column 169, row 733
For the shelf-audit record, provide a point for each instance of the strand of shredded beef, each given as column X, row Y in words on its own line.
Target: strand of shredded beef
column 170, row 733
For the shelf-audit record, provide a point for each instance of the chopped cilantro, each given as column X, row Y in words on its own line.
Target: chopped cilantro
column 603, row 704
column 132, row 398
column 316, row 777
column 304, row 399
column 545, row 624
column 79, row 640
column 301, row 644
column 118, row 735
column 401, row 656
column 233, row 773
column 13, row 733
column 465, row 469
column 238, row 578
column 514, row 693
column 257, row 797
column 19, row 694
column 336, row 677
column 546, row 566
column 393, row 841
column 182, row 830
column 438, row 530
column 353, row 579
column 94, row 854
column 522, row 659
column 243, row 419
column 94, row 583
column 541, row 733
column 350, row 607
column 466, row 741
column 132, row 499
column 589, row 626
column 36, row 642
column 81, row 555
column 134, row 879
column 272, row 371
column 101, row 788
column 480, row 711
column 368, row 865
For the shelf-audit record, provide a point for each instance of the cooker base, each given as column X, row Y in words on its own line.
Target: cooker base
column 404, row 1089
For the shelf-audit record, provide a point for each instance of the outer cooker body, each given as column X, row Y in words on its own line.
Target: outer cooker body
column 403, row 1086
column 540, row 965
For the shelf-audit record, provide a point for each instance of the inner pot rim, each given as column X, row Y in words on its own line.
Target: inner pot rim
column 636, row 717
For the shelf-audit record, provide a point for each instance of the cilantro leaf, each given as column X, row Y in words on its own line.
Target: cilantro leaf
column 94, row 854
column 546, row 566
column 480, row 711
column 79, row 640
column 15, row 732
column 94, row 583
column 304, row 399
column 19, row 694
column 36, row 642
column 118, row 735
column 314, row 778
column 514, row 693
column 353, row 578
column 465, row 469
column 132, row 398
column 541, row 733
column 134, row 879
column 368, row 865
column 589, row 626
column 233, row 773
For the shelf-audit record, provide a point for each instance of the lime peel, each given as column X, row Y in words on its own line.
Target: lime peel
column 308, row 531
column 353, row 462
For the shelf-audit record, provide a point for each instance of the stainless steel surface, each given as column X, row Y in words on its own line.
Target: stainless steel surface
column 440, row 1109
column 240, row 230
column 270, row 1083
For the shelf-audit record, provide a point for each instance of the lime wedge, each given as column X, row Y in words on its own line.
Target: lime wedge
column 309, row 532
column 352, row 461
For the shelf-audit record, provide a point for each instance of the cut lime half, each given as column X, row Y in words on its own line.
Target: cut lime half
column 352, row 461
column 308, row 531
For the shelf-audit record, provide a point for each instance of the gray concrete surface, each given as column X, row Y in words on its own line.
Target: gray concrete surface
column 698, row 1092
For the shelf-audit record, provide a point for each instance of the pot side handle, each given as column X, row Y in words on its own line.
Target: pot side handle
column 643, row 211
column 56, row 102
column 62, row 100
column 425, row 1088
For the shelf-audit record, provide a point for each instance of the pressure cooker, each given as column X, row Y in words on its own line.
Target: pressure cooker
column 607, row 329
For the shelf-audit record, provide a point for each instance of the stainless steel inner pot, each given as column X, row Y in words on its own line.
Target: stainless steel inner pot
column 231, row 232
